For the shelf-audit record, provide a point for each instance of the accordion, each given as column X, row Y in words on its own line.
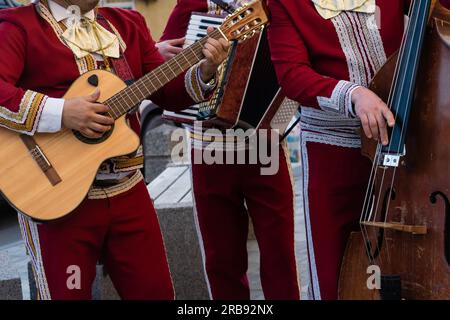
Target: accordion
column 247, row 95
column 197, row 29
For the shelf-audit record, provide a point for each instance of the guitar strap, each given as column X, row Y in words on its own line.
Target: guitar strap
column 121, row 66
column 123, row 71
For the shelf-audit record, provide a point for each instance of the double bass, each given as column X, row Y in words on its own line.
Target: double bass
column 403, row 248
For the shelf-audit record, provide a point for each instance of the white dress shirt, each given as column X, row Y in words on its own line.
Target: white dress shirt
column 51, row 116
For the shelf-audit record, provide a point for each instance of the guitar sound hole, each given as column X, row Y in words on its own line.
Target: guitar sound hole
column 87, row 140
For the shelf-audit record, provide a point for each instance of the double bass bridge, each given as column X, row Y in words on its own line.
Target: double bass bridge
column 413, row 229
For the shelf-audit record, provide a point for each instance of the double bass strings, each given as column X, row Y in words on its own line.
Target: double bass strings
column 368, row 207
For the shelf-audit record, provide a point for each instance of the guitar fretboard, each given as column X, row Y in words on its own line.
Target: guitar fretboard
column 134, row 94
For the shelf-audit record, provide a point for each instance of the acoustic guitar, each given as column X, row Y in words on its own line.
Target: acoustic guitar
column 46, row 176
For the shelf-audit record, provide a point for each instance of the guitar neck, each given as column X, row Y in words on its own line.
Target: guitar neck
column 127, row 99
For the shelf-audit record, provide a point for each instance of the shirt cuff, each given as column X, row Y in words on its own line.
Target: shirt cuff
column 51, row 116
column 340, row 100
column 196, row 88
column 206, row 87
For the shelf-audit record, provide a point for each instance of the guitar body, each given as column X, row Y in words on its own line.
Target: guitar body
column 47, row 176
column 25, row 185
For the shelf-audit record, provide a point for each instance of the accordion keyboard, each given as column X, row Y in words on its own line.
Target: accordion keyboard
column 198, row 25
column 197, row 29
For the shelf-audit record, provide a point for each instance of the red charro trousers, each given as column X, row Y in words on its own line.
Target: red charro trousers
column 335, row 180
column 123, row 231
column 225, row 196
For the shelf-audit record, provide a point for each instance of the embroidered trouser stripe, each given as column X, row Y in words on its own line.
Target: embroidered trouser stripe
column 221, row 192
column 30, row 236
column 335, row 180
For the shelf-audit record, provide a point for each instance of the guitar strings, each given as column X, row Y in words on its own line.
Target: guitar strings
column 189, row 54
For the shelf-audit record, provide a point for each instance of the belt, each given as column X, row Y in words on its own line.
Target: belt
column 112, row 182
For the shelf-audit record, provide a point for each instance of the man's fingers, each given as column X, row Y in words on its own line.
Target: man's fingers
column 213, row 42
column 91, row 134
column 98, row 127
column 94, row 96
column 365, row 125
column 207, row 54
column 99, row 108
column 101, row 119
column 174, row 51
column 220, row 45
column 177, row 42
column 212, row 49
column 224, row 43
column 169, row 55
column 373, row 124
column 387, row 114
column 382, row 127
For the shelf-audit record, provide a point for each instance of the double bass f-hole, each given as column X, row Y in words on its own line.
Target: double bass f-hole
column 433, row 200
column 414, row 83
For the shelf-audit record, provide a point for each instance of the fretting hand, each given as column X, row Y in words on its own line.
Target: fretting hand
column 215, row 52
column 170, row 48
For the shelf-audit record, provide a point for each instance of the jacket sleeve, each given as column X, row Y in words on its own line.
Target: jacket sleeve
column 298, row 80
column 445, row 3
column 179, row 18
column 180, row 93
column 20, row 109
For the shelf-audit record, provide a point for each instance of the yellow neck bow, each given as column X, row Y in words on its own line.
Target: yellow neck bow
column 331, row 8
column 85, row 36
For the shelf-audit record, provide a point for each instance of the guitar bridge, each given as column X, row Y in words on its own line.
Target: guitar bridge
column 41, row 160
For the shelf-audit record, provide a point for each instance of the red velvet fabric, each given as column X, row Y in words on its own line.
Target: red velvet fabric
column 179, row 19
column 305, row 48
column 124, row 232
column 33, row 58
column 335, row 192
column 124, row 229
column 225, row 197
column 310, row 61
column 445, row 3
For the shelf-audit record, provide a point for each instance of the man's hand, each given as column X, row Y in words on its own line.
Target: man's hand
column 83, row 114
column 215, row 52
column 170, row 48
column 373, row 113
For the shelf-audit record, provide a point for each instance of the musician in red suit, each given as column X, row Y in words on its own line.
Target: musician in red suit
column 325, row 53
column 226, row 195
column 44, row 48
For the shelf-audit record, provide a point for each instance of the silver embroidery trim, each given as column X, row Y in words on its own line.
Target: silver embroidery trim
column 362, row 45
column 36, row 259
column 314, row 278
column 307, row 136
column 340, row 100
